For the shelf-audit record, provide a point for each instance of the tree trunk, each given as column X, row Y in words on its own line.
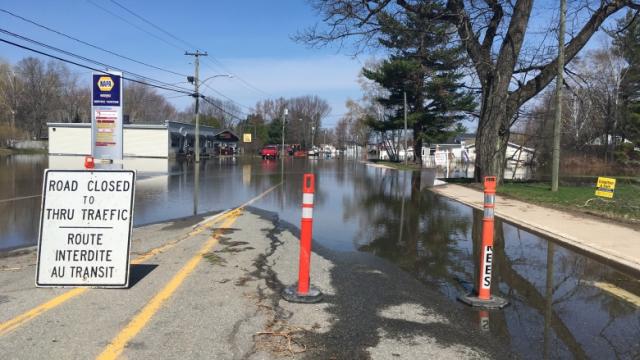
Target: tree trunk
column 493, row 133
column 417, row 143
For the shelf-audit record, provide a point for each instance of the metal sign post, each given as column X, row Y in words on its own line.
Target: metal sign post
column 106, row 116
column 85, row 228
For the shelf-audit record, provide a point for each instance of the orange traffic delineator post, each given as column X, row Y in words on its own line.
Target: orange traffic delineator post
column 89, row 162
column 303, row 292
column 482, row 296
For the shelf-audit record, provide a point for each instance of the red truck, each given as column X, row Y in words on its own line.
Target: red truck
column 269, row 152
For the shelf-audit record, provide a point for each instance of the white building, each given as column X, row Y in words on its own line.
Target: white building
column 515, row 153
column 166, row 140
column 443, row 154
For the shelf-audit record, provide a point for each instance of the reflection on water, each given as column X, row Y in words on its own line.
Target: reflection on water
column 20, row 177
column 558, row 306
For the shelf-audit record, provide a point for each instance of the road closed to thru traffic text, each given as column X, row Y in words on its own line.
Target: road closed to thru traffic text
column 85, row 228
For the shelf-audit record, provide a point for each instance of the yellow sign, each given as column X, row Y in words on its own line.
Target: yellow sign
column 105, row 83
column 246, row 137
column 605, row 187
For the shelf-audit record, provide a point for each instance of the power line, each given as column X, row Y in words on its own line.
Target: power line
column 235, row 76
column 176, row 96
column 153, row 25
column 89, row 67
column 212, row 60
column 135, row 26
column 89, row 44
column 226, row 97
column 85, row 58
column 207, row 100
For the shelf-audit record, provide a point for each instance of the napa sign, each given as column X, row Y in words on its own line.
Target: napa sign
column 106, row 116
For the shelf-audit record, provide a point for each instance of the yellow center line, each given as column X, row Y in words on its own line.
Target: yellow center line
column 23, row 318
column 115, row 348
column 9, row 325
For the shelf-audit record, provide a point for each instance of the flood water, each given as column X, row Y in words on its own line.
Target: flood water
column 562, row 304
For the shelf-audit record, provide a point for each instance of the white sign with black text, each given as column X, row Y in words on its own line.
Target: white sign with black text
column 85, row 228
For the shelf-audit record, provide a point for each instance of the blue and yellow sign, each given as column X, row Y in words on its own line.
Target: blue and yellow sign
column 106, row 90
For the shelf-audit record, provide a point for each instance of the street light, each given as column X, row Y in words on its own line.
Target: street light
column 215, row 76
column 196, row 84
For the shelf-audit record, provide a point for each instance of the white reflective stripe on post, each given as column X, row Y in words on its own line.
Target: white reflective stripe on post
column 489, row 212
column 307, row 213
column 489, row 199
column 307, row 198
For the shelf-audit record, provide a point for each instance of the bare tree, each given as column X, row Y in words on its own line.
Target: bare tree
column 40, row 92
column 305, row 114
column 511, row 58
column 144, row 105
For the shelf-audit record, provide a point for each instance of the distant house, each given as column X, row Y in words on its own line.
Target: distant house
column 443, row 154
column 515, row 153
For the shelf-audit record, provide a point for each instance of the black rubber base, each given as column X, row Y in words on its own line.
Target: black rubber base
column 495, row 302
column 291, row 295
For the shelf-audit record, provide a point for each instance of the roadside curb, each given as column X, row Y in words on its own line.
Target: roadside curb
column 614, row 260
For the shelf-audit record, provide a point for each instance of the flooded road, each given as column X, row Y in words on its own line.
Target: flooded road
column 563, row 304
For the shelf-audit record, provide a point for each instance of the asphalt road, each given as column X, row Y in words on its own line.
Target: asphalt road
column 215, row 293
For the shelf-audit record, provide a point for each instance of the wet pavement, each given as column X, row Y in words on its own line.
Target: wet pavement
column 563, row 304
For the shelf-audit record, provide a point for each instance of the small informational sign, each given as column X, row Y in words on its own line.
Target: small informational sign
column 85, row 228
column 106, row 116
column 487, row 266
column 246, row 137
column 605, row 187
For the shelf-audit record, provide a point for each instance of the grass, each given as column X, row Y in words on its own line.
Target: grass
column 625, row 205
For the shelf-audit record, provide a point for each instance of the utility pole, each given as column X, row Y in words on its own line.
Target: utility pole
column 405, row 128
column 196, row 94
column 557, row 124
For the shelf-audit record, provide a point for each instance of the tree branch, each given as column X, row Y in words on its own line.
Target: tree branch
column 510, row 49
column 492, row 29
column 481, row 58
column 548, row 72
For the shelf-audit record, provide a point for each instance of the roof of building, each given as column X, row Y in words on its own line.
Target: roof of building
column 513, row 145
column 88, row 125
column 175, row 126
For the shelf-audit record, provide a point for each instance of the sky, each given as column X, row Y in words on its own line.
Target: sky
column 249, row 39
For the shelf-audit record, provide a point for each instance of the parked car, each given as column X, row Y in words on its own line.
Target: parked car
column 269, row 152
column 315, row 151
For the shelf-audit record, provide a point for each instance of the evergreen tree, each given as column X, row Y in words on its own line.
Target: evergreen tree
column 426, row 66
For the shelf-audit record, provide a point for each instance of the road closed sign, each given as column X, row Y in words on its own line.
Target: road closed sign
column 85, row 228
